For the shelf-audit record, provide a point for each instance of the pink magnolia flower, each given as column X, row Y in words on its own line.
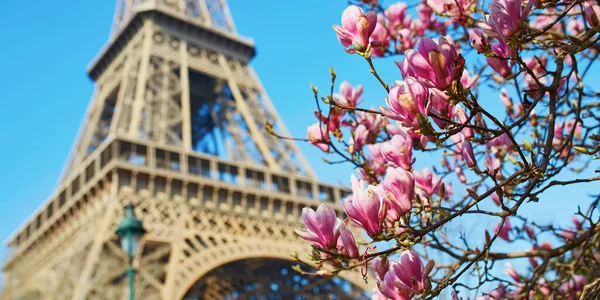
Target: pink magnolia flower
column 468, row 155
column 397, row 17
column 356, row 28
column 501, row 141
column 398, row 151
column 417, row 139
column 572, row 285
column 460, row 174
column 373, row 122
column 347, row 242
column 467, row 81
column 500, row 63
column 576, row 222
column 543, row 20
column 323, row 226
column 568, row 234
column 405, row 101
column 376, row 294
column 360, row 137
column 506, row 100
column 409, row 274
column 380, row 266
column 434, row 62
column 493, row 166
column 575, row 26
column 380, row 40
column 365, row 207
column 456, row 9
column 479, row 40
column 496, row 199
column 318, row 136
column 499, row 293
column 406, row 40
column 462, row 118
column 349, row 96
column 503, row 232
column 399, row 188
column 333, row 121
column 427, row 181
column 389, row 291
column 591, row 12
column 440, row 109
column 510, row 271
column 506, row 15
column 543, row 287
column 374, row 161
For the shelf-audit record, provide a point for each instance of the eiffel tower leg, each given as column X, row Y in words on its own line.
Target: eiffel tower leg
column 96, row 248
column 134, row 126
column 242, row 107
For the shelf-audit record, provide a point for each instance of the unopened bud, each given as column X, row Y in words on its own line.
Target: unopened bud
column 591, row 15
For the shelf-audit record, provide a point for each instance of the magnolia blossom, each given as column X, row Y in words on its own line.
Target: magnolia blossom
column 467, row 81
column 346, row 242
column 365, row 207
column 503, row 232
column 380, row 266
column 506, row 16
column 333, row 120
column 479, row 40
column 323, row 226
column 419, row 141
column 397, row 16
column 406, row 100
column 462, row 118
column 591, row 12
column 427, row 181
column 506, row 100
column 349, row 96
column 493, row 166
column 500, row 63
column 572, row 285
column 499, row 293
column 399, row 187
column 318, row 136
column 457, row 9
column 380, row 40
column 374, row 161
column 409, row 274
column 434, row 63
column 360, row 137
column 398, row 151
column 441, row 109
column 510, row 271
column 467, row 153
column 356, row 28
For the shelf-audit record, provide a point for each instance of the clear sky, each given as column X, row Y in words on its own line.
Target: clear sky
column 44, row 88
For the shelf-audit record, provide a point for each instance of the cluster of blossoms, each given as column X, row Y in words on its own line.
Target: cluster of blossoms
column 527, row 45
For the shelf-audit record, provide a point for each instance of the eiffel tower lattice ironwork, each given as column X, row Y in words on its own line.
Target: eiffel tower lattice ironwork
column 176, row 127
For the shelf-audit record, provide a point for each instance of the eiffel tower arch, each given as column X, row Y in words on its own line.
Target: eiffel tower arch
column 176, row 127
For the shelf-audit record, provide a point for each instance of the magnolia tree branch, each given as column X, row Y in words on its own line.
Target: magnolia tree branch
column 455, row 59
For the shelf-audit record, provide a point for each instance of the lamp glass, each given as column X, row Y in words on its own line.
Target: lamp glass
column 134, row 239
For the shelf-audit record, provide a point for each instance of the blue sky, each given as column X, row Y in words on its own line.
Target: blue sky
column 45, row 90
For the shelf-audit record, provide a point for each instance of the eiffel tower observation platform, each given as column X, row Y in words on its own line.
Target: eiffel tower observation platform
column 176, row 126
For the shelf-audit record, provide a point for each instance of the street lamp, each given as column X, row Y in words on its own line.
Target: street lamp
column 130, row 231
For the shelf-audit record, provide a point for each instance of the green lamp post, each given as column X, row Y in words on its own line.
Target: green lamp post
column 130, row 231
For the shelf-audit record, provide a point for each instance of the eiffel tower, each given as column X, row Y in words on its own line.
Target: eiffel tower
column 176, row 127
